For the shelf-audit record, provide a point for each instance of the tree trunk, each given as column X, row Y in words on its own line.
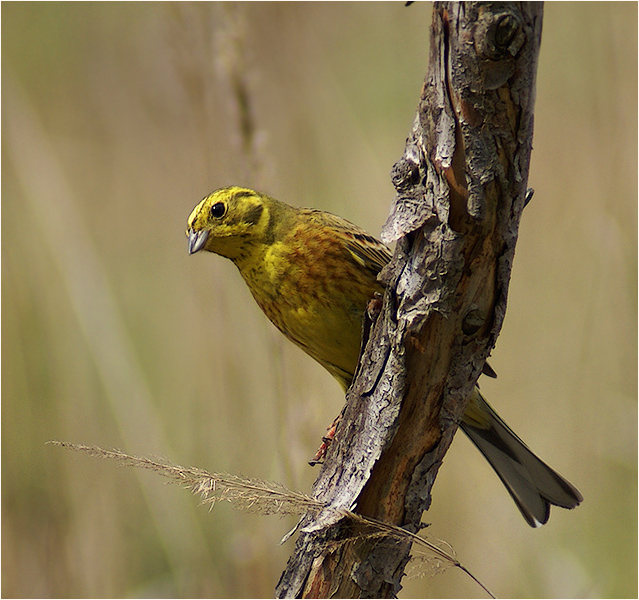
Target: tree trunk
column 461, row 187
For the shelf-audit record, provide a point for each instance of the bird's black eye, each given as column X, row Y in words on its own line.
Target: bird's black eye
column 218, row 210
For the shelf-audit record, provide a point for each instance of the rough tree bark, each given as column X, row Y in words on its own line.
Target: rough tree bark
column 461, row 186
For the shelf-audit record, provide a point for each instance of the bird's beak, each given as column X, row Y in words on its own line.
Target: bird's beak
column 197, row 239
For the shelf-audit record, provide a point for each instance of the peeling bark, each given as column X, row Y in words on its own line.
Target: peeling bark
column 461, row 186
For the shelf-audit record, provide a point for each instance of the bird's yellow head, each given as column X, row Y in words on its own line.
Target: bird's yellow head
column 227, row 221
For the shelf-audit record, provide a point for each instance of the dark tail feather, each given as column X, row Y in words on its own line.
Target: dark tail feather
column 533, row 485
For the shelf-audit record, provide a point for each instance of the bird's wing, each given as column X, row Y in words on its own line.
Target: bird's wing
column 365, row 249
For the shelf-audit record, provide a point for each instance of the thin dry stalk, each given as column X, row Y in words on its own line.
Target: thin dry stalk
column 267, row 498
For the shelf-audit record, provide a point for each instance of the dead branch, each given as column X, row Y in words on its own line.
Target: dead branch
column 461, row 184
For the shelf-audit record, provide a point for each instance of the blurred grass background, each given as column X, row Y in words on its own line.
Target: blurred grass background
column 117, row 119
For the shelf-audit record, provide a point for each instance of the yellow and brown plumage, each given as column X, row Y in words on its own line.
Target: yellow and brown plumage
column 313, row 273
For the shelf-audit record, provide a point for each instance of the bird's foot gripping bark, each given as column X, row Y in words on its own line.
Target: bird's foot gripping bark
column 326, row 442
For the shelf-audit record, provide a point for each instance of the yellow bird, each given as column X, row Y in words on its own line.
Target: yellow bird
column 313, row 273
